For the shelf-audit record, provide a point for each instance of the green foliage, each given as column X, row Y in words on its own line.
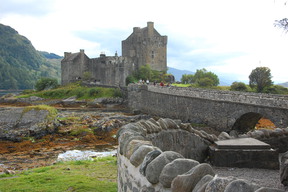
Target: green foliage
column 145, row 72
column 87, row 76
column 260, row 78
column 46, row 83
column 187, row 79
column 202, row 78
column 76, row 90
column 20, row 64
column 276, row 89
column 97, row 176
column 238, row 86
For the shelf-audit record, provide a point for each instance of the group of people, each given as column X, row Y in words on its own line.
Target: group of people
column 154, row 83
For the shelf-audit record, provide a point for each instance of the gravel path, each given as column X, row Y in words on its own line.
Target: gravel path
column 261, row 177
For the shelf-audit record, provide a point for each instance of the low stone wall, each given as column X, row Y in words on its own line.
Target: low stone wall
column 154, row 156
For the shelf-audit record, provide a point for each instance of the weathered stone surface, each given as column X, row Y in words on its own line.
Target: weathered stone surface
column 239, row 185
column 133, row 146
column 154, row 168
column 176, row 167
column 223, row 136
column 147, row 189
column 187, row 181
column 162, row 123
column 174, row 139
column 218, row 184
column 284, row 169
column 148, row 158
column 138, row 156
column 16, row 123
column 267, row 189
column 203, row 182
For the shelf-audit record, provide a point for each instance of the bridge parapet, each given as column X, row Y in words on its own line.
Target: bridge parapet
column 260, row 99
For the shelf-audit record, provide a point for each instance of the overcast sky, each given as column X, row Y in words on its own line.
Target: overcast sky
column 227, row 37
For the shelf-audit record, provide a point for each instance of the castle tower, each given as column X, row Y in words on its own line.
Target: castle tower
column 146, row 46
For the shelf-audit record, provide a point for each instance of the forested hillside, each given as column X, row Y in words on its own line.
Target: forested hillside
column 21, row 65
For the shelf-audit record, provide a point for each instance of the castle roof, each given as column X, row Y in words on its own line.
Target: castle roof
column 144, row 32
column 71, row 56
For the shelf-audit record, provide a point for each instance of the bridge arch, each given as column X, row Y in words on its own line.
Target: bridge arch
column 246, row 122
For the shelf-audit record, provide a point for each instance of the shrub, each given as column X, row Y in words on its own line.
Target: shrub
column 46, row 83
column 238, row 86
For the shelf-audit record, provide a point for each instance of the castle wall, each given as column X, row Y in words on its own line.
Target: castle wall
column 110, row 70
column 146, row 46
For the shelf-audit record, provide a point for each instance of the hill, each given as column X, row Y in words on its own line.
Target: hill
column 21, row 65
column 178, row 74
column 284, row 84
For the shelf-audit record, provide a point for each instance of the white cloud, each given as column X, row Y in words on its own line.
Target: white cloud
column 224, row 36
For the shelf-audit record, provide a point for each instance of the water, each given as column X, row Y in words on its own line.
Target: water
column 4, row 92
column 77, row 155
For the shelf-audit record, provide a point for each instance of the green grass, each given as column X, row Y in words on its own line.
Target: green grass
column 77, row 90
column 81, row 176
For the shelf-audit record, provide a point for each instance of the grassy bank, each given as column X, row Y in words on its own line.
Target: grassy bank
column 75, row 89
column 81, row 176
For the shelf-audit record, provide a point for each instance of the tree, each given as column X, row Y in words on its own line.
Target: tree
column 260, row 78
column 204, row 78
column 238, row 86
column 187, row 78
column 46, row 83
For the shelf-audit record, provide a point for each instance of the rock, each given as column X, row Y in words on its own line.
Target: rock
column 176, row 167
column 148, row 158
column 163, row 124
column 234, row 134
column 125, row 138
column 154, row 168
column 32, row 121
column 201, row 185
column 187, row 181
column 266, row 189
column 138, row 156
column 239, row 185
column 218, row 184
column 284, row 169
column 223, row 135
column 171, row 124
column 133, row 146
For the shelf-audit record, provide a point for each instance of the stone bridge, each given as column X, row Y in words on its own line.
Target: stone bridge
column 222, row 110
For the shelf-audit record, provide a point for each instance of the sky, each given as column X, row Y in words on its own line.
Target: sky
column 227, row 37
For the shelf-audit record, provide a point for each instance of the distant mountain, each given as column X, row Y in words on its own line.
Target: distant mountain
column 178, row 75
column 284, row 84
column 21, row 65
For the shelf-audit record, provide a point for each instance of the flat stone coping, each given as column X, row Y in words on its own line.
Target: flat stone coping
column 242, row 143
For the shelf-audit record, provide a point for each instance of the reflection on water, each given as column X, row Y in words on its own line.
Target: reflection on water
column 77, row 155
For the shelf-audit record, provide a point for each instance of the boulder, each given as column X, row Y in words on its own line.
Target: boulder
column 201, row 185
column 218, row 184
column 138, row 156
column 155, row 168
column 284, row 169
column 239, row 185
column 32, row 121
column 148, row 158
column 188, row 181
column 176, row 167
column 133, row 146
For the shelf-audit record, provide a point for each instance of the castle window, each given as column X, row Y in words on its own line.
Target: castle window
column 152, row 55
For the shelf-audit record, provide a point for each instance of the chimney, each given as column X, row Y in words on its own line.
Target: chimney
column 150, row 26
column 67, row 54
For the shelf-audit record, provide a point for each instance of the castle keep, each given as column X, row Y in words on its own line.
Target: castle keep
column 143, row 46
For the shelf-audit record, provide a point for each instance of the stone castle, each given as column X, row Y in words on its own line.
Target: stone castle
column 143, row 46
